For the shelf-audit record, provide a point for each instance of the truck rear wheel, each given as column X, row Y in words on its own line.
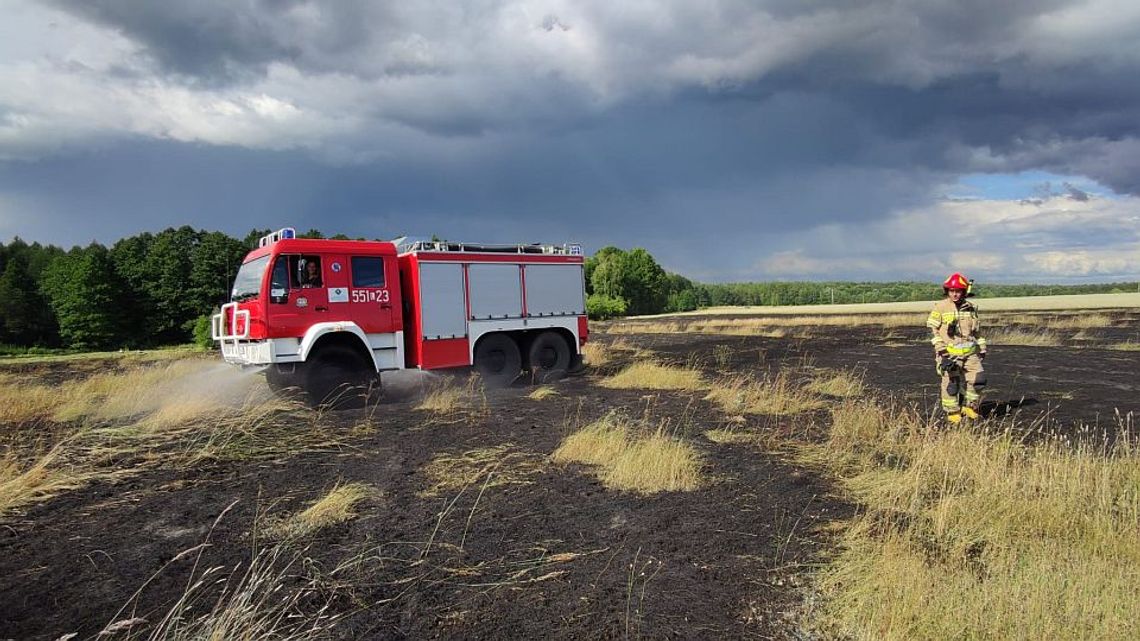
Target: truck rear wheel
column 548, row 357
column 338, row 378
column 497, row 359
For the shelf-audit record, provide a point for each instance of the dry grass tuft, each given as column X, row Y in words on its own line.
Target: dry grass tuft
column 632, row 457
column 597, row 354
column 444, row 399
column 22, row 484
column 192, row 411
column 777, row 395
column 1080, row 321
column 271, row 598
column 599, row 443
column 335, row 507
column 657, row 463
column 1126, row 346
column 838, row 384
column 1017, row 319
column 729, row 436
column 542, row 392
column 492, row 466
column 650, row 375
column 973, row 535
column 1020, row 337
column 769, row 326
column 26, row 403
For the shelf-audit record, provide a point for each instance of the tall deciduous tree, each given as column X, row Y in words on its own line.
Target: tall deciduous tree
column 644, row 284
column 85, row 292
column 167, row 282
column 213, row 264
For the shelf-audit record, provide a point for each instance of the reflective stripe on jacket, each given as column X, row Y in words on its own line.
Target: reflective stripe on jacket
column 955, row 329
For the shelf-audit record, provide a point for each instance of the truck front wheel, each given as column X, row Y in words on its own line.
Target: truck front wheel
column 548, row 357
column 283, row 383
column 497, row 359
column 339, row 378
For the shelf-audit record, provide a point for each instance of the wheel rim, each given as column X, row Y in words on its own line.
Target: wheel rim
column 496, row 360
column 547, row 357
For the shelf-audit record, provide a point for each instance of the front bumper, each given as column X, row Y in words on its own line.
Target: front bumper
column 247, row 353
column 274, row 350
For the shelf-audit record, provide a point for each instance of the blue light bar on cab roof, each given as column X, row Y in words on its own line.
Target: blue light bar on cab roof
column 287, row 232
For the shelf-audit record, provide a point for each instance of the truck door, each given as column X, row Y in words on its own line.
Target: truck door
column 297, row 298
column 374, row 293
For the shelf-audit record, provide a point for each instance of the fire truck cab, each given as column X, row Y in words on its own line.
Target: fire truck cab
column 329, row 315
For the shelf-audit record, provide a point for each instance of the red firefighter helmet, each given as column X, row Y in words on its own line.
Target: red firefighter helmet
column 956, row 281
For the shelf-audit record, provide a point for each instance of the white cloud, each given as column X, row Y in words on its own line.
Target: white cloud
column 347, row 72
column 1059, row 239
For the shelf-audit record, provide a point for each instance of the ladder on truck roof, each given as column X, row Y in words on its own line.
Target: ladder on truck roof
column 569, row 249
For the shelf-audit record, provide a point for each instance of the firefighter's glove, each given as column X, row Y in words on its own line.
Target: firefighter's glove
column 948, row 365
column 982, row 355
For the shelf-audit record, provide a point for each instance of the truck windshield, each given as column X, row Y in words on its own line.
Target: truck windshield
column 248, row 282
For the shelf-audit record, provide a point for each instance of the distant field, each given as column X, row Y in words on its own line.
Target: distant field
column 1020, row 303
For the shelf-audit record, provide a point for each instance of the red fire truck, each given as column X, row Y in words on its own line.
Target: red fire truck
column 326, row 315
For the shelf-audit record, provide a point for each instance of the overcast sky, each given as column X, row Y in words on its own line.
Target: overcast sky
column 736, row 140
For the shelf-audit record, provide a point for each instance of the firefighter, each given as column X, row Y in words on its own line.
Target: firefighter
column 312, row 275
column 959, row 349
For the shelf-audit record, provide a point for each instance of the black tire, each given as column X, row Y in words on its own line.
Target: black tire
column 284, row 384
column 498, row 360
column 548, row 357
column 338, row 378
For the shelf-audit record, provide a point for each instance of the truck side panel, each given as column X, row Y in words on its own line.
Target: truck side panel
column 495, row 290
column 554, row 290
column 442, row 305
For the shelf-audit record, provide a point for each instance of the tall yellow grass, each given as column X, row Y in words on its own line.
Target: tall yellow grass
column 135, row 392
column 1042, row 338
column 650, row 375
column 23, row 483
column 1080, row 321
column 118, row 423
column 337, row 506
column 632, row 457
column 968, row 535
column 770, row 326
column 26, row 403
column 837, row 383
column 444, row 399
column 597, row 354
column 493, row 466
column 777, row 394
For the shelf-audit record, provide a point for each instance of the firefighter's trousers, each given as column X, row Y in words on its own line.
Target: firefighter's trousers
column 963, row 386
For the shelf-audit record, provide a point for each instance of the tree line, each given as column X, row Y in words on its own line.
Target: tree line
column 146, row 290
column 622, row 283
column 158, row 289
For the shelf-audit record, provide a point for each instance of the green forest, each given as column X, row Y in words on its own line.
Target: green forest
column 152, row 290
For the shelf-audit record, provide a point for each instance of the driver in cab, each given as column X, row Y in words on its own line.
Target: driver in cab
column 312, row 274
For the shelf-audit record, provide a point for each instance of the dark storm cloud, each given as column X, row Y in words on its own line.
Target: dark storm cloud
column 662, row 125
column 210, row 41
column 929, row 79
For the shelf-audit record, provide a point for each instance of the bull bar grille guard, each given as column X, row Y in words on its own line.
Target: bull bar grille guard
column 227, row 332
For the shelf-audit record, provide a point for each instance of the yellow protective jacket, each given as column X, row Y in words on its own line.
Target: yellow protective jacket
column 956, row 329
